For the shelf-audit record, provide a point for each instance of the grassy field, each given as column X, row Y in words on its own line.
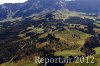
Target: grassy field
column 72, row 36
column 35, row 30
column 97, row 24
column 20, row 63
column 97, row 50
column 66, row 53
column 44, row 35
column 97, row 55
column 65, row 14
column 97, row 30
column 66, row 35
column 80, row 64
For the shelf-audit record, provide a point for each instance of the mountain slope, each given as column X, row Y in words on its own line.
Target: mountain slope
column 89, row 6
column 36, row 7
column 30, row 7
